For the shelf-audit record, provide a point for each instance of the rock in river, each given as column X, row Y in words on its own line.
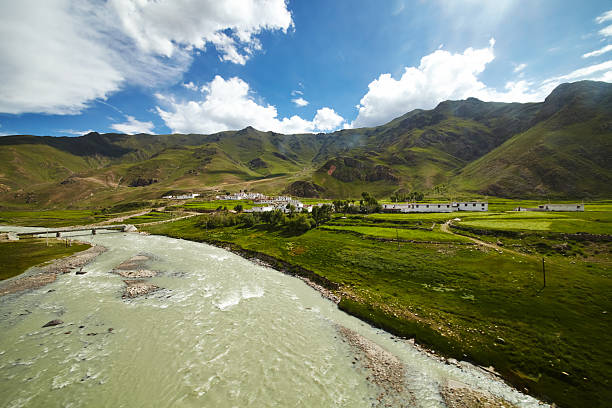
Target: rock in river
column 53, row 323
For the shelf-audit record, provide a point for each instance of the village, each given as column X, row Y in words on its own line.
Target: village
column 286, row 204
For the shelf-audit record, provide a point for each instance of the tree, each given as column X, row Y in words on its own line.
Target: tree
column 321, row 214
column 368, row 204
column 238, row 208
column 300, row 224
column 247, row 219
column 275, row 217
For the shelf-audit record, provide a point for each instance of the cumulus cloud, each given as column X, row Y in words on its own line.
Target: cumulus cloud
column 133, row 126
column 327, row 119
column 57, row 56
column 227, row 105
column 301, row 102
column 440, row 75
column 191, row 86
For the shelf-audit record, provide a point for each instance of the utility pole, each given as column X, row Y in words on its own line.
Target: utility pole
column 544, row 273
column 397, row 235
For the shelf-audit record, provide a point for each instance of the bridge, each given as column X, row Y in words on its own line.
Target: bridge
column 58, row 232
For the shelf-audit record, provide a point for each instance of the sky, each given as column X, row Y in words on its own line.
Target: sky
column 297, row 66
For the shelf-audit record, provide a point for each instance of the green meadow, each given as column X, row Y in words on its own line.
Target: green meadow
column 16, row 257
column 51, row 218
column 463, row 299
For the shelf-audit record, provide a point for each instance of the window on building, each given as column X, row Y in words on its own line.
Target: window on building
column 474, row 205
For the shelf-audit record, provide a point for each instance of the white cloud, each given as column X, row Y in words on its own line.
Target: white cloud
column 520, row 67
column 133, row 126
column 57, row 56
column 191, row 86
column 296, row 92
column 327, row 119
column 227, row 105
column 73, row 132
column 598, row 52
column 440, row 75
column 597, row 72
column 607, row 16
column 301, row 102
column 606, row 31
column 231, row 26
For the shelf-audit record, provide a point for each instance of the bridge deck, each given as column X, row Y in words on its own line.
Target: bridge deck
column 59, row 231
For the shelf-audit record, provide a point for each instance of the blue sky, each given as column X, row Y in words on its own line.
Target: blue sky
column 184, row 66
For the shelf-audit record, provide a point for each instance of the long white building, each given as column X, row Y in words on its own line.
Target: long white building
column 554, row 207
column 436, row 207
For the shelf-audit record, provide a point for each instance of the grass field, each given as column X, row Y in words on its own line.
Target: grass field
column 16, row 257
column 401, row 233
column 593, row 221
column 51, row 218
column 151, row 216
column 467, row 301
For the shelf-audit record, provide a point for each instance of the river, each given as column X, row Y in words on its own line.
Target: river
column 221, row 332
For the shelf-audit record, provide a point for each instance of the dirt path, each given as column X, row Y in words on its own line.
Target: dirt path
column 446, row 228
column 189, row 215
column 124, row 217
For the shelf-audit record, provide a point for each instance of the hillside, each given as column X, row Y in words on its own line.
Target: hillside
column 557, row 148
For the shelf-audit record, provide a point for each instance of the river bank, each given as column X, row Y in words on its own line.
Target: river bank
column 39, row 276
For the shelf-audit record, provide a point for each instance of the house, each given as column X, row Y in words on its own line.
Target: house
column 435, row 207
column 471, row 206
column 554, row 207
column 182, row 197
column 418, row 208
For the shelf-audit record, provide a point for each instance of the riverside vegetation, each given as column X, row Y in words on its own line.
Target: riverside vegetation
column 16, row 257
column 408, row 274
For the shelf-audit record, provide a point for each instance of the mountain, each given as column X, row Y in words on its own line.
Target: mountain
column 557, row 148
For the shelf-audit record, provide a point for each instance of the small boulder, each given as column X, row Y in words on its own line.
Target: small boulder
column 500, row 340
column 53, row 323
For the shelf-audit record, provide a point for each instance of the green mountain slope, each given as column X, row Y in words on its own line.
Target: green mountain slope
column 560, row 147
column 568, row 153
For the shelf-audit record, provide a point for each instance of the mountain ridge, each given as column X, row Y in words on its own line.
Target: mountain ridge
column 560, row 147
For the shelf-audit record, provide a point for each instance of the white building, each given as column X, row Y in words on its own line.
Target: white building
column 283, row 206
column 419, row 208
column 182, row 197
column 471, row 206
column 241, row 196
column 554, row 207
column 436, row 207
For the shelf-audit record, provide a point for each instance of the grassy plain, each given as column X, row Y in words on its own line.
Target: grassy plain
column 151, row 216
column 16, row 257
column 51, row 218
column 468, row 301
